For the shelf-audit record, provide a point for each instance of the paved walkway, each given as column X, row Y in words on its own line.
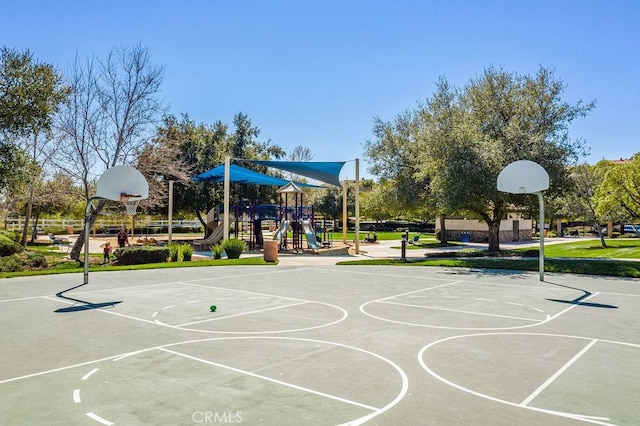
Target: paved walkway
column 386, row 249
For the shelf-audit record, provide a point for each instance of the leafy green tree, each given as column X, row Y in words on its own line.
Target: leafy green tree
column 618, row 196
column 202, row 147
column 468, row 136
column 57, row 196
column 30, row 96
column 246, row 146
column 581, row 201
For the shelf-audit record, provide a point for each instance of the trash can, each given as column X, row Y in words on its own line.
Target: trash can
column 69, row 230
column 271, row 250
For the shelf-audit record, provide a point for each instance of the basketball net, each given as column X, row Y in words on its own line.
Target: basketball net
column 130, row 205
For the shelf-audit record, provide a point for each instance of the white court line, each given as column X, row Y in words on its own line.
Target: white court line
column 557, row 374
column 416, row 291
column 21, row 299
column 461, row 311
column 240, row 291
column 581, row 417
column 55, row 370
column 99, row 419
column 279, row 382
column 114, row 313
column 76, row 396
column 89, row 374
column 242, row 313
column 571, row 307
column 168, row 307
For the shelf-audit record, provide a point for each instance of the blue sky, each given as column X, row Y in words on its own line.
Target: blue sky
column 316, row 73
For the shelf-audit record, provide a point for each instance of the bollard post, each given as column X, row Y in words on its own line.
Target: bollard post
column 405, row 238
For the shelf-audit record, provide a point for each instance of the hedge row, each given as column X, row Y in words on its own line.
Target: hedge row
column 137, row 255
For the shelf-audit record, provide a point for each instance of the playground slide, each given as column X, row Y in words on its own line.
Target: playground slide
column 215, row 236
column 282, row 229
column 311, row 236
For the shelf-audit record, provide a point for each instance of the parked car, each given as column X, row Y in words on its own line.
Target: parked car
column 627, row 229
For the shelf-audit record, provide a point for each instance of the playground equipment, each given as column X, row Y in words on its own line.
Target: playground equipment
column 289, row 223
column 312, row 241
column 281, row 232
column 212, row 239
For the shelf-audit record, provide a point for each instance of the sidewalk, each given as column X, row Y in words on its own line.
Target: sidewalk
column 386, row 249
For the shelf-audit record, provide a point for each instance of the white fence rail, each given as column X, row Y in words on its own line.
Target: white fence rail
column 49, row 225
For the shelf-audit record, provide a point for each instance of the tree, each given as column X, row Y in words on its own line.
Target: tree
column 30, row 95
column 302, row 154
column 581, row 200
column 112, row 112
column 470, row 135
column 203, row 147
column 57, row 196
column 245, row 146
column 618, row 196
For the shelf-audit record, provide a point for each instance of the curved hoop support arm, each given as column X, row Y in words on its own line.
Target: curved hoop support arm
column 87, row 218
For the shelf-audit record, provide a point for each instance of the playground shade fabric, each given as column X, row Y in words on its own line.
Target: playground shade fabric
column 239, row 174
column 324, row 171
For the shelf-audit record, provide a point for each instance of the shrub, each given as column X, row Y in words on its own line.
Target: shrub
column 11, row 235
column 216, row 251
column 234, row 248
column 8, row 247
column 36, row 261
column 10, row 264
column 187, row 252
column 141, row 254
column 175, row 250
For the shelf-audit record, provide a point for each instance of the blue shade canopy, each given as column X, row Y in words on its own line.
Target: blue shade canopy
column 239, row 174
column 324, row 171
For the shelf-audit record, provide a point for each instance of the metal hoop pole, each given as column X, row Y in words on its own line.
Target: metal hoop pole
column 87, row 217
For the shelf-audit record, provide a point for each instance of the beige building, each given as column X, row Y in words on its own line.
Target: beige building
column 477, row 231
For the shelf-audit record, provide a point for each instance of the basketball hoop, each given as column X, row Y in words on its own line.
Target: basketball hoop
column 131, row 205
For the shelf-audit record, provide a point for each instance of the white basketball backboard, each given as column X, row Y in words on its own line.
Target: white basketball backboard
column 523, row 177
column 119, row 180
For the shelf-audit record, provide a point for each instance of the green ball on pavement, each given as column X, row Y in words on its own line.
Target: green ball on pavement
column 213, row 308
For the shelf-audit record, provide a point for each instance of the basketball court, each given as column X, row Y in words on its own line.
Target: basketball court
column 319, row 345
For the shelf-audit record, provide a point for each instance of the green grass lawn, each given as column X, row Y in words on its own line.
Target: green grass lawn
column 617, row 248
column 615, row 268
column 563, row 257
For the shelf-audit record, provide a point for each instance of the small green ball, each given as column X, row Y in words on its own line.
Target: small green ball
column 213, row 308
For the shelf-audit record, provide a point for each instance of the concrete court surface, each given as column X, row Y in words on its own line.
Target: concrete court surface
column 319, row 344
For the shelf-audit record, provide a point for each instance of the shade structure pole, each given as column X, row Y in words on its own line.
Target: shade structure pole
column 357, row 195
column 344, row 212
column 227, row 190
column 541, row 227
column 170, row 213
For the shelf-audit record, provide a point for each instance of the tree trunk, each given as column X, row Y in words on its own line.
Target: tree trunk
column 207, row 230
column 494, row 235
column 34, row 233
column 27, row 216
column 79, row 244
column 601, row 235
column 443, row 230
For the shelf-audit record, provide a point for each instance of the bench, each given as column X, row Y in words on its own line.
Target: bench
column 59, row 241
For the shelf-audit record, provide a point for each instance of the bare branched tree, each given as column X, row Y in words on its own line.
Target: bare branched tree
column 111, row 115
